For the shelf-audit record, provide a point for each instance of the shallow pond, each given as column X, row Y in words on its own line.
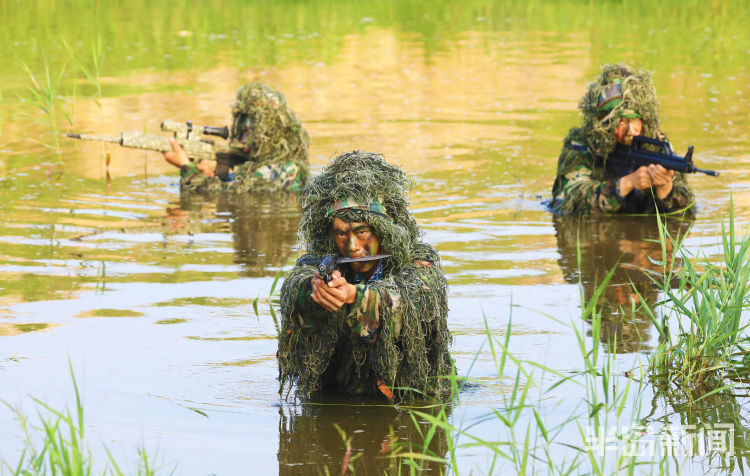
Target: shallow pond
column 150, row 298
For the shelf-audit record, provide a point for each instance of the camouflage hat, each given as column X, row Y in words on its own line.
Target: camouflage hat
column 610, row 98
column 372, row 205
column 618, row 92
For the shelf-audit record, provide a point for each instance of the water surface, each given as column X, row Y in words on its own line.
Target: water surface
column 150, row 297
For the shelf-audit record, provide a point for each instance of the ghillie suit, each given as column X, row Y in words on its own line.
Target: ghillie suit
column 268, row 145
column 396, row 333
column 585, row 183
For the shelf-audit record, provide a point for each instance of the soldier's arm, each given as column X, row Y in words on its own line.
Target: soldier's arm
column 374, row 304
column 582, row 193
column 309, row 313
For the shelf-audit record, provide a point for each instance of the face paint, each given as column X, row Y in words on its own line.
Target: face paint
column 242, row 130
column 356, row 240
column 627, row 129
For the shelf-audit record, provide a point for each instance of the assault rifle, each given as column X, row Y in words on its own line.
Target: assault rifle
column 190, row 137
column 628, row 158
column 329, row 264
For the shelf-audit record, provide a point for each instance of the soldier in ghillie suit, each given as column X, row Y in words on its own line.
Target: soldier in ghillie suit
column 268, row 149
column 620, row 104
column 377, row 326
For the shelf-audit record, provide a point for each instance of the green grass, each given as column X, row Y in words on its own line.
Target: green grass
column 44, row 93
column 703, row 343
column 58, row 445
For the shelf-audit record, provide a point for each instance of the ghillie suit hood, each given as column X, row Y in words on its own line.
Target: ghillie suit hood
column 266, row 132
column 264, row 127
column 419, row 354
column 618, row 92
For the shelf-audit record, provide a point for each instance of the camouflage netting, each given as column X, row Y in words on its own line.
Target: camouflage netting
column 274, row 142
column 334, row 357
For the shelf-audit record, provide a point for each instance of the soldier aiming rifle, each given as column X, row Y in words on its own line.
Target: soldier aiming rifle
column 265, row 150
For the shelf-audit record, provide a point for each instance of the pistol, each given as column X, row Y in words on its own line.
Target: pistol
column 329, row 264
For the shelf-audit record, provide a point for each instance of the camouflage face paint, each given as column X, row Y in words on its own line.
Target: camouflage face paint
column 626, row 129
column 356, row 240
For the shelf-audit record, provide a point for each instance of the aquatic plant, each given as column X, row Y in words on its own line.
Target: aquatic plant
column 59, row 446
column 527, row 435
column 709, row 344
column 44, row 94
column 93, row 72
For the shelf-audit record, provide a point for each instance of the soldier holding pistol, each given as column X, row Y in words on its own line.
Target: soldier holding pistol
column 377, row 324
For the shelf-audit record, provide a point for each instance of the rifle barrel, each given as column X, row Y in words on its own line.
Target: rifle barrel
column 712, row 173
column 113, row 139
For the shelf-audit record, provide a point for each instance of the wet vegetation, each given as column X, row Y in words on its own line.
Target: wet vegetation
column 56, row 443
column 708, row 348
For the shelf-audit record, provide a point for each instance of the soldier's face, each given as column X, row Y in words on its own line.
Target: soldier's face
column 356, row 240
column 627, row 129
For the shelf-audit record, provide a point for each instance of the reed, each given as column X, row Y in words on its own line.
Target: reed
column 59, row 446
column 702, row 339
column 92, row 70
column 531, row 434
column 44, row 94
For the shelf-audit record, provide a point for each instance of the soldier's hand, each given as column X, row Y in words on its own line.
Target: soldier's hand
column 646, row 177
column 177, row 155
column 334, row 294
column 661, row 180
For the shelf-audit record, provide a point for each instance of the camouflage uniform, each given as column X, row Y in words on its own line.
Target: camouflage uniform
column 268, row 148
column 586, row 182
column 584, row 186
column 395, row 334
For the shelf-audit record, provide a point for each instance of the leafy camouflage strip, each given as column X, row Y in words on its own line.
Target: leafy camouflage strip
column 581, row 187
column 414, row 355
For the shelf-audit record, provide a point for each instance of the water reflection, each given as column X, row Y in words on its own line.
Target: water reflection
column 263, row 227
column 631, row 246
column 309, row 442
column 704, row 423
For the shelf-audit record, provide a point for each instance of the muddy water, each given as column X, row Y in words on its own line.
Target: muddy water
column 150, row 298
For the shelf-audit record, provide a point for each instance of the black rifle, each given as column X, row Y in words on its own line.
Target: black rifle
column 628, row 158
column 329, row 264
